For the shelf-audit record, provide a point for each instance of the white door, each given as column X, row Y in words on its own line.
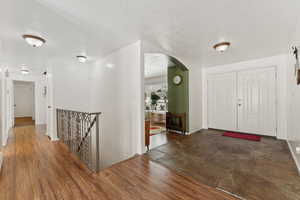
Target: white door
column 23, row 100
column 222, row 101
column 257, row 101
column 49, row 106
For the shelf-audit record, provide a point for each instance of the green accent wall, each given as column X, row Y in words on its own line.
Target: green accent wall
column 178, row 95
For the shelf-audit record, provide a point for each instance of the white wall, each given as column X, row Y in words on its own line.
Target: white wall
column 280, row 62
column 6, row 105
column 116, row 92
column 71, row 85
column 293, row 128
column 70, row 88
column 24, row 99
column 112, row 86
column 2, row 107
column 156, row 80
column 195, row 95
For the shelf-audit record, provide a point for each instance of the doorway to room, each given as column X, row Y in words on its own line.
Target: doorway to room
column 156, row 99
column 166, row 99
column 24, row 103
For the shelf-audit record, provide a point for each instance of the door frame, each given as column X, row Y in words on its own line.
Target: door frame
column 280, row 65
column 275, row 103
column 7, row 85
column 13, row 112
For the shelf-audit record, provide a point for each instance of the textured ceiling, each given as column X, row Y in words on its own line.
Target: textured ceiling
column 156, row 64
column 188, row 28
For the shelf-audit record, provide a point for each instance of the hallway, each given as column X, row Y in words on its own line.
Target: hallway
column 24, row 121
column 35, row 168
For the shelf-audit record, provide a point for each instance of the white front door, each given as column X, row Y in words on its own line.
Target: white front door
column 222, row 101
column 257, row 101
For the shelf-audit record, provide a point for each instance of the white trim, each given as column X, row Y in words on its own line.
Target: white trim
column 234, row 195
column 1, row 160
column 22, row 116
column 294, row 157
column 279, row 62
column 4, row 143
column 54, row 139
column 193, row 131
column 209, row 75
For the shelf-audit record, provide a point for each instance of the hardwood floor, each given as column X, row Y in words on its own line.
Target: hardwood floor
column 24, row 121
column 36, row 169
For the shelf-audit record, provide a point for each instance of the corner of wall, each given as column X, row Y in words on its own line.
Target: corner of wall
column 296, row 157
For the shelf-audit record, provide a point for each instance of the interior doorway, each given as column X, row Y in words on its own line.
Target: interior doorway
column 166, row 98
column 24, row 103
column 156, row 98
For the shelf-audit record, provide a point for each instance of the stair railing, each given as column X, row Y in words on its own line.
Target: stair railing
column 80, row 132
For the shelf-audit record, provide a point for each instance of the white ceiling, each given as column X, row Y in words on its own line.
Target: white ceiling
column 188, row 29
column 156, row 64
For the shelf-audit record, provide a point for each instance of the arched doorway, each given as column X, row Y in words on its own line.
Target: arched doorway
column 166, row 98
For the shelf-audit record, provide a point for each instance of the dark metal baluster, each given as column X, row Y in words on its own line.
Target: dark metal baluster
column 97, row 144
column 75, row 130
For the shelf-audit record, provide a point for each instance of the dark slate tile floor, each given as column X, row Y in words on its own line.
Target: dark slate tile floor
column 261, row 170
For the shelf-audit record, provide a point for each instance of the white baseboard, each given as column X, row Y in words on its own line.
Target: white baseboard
column 194, row 131
column 21, row 116
column 1, row 160
column 294, row 157
column 5, row 139
column 4, row 142
column 54, row 139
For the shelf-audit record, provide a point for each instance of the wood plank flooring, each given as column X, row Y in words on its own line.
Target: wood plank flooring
column 24, row 121
column 36, row 169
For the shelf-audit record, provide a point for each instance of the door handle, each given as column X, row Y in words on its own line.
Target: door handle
column 240, row 102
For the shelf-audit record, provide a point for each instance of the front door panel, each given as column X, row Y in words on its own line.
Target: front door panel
column 256, row 101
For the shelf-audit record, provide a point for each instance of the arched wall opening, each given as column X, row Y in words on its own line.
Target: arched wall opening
column 166, row 98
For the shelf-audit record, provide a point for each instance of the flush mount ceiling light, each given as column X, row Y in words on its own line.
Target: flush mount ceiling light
column 81, row 59
column 34, row 41
column 222, row 46
column 24, row 70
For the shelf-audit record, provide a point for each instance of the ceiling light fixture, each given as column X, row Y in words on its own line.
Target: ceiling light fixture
column 24, row 70
column 34, row 41
column 222, row 46
column 81, row 59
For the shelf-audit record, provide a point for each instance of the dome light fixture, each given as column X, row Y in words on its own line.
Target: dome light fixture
column 81, row 59
column 221, row 47
column 24, row 70
column 34, row 41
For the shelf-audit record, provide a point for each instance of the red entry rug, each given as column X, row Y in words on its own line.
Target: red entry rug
column 242, row 136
